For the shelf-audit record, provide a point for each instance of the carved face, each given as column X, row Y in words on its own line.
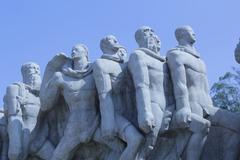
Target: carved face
column 189, row 35
column 32, row 76
column 110, row 45
column 112, row 40
column 79, row 52
column 148, row 39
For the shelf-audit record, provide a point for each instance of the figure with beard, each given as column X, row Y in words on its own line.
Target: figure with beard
column 154, row 99
column 22, row 106
column 110, row 77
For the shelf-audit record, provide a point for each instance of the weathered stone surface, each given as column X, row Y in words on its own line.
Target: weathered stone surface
column 147, row 108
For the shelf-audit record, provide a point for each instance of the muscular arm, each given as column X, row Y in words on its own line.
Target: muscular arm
column 168, row 90
column 139, row 71
column 104, row 88
column 178, row 74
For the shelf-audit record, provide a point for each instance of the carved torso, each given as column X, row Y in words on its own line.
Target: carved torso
column 156, row 75
column 79, row 93
column 30, row 110
column 118, row 73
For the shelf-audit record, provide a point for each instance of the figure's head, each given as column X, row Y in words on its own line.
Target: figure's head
column 110, row 45
column 31, row 75
column 146, row 38
column 186, row 34
column 79, row 51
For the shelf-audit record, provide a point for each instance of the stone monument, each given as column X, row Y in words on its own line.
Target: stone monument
column 149, row 107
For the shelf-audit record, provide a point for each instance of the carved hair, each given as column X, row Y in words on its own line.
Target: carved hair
column 180, row 32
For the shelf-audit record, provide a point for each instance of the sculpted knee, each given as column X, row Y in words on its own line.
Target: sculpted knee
column 198, row 125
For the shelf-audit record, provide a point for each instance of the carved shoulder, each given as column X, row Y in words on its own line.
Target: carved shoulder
column 99, row 66
column 137, row 54
column 174, row 57
column 136, row 60
column 12, row 90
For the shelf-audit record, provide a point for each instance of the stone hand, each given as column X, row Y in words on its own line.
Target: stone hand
column 183, row 117
column 147, row 124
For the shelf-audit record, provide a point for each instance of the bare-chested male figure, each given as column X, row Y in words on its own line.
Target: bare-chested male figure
column 75, row 83
column 21, row 103
column 193, row 102
column 152, row 83
column 110, row 77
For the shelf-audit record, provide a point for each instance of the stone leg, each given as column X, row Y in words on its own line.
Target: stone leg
column 200, row 128
column 71, row 139
column 131, row 136
column 116, row 144
column 151, row 138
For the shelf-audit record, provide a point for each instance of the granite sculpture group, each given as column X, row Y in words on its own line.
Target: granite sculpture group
column 147, row 107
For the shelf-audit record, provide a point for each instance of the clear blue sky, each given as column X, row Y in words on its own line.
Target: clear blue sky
column 36, row 30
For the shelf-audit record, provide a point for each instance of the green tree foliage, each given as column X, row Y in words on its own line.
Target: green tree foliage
column 226, row 92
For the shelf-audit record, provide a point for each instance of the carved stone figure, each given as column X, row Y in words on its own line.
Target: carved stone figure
column 22, row 104
column 110, row 75
column 149, row 108
column 152, row 83
column 76, row 85
column 194, row 106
